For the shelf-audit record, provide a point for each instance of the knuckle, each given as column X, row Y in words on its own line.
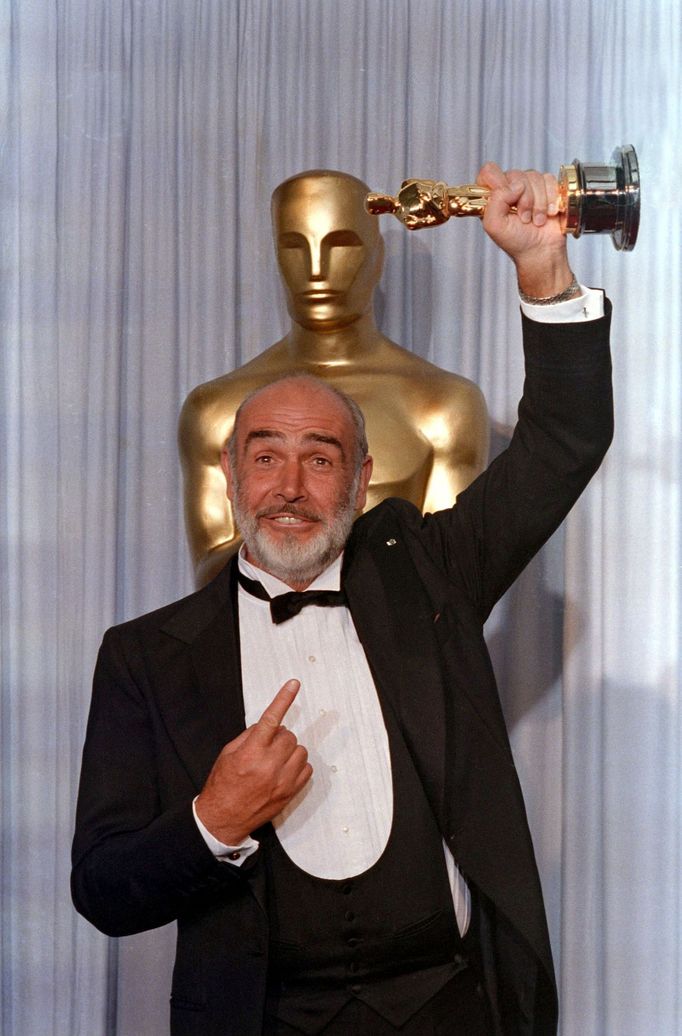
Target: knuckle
column 299, row 757
column 287, row 739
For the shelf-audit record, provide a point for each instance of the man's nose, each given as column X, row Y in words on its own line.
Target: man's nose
column 291, row 485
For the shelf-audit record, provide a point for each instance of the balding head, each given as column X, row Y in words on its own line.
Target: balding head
column 316, row 385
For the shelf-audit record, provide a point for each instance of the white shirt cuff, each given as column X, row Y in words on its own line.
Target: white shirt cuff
column 589, row 305
column 234, row 854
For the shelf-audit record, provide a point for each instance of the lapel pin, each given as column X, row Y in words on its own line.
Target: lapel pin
column 391, row 543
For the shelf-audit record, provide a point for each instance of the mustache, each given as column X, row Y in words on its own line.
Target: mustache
column 295, row 512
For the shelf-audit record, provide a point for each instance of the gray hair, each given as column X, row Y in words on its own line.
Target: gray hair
column 356, row 415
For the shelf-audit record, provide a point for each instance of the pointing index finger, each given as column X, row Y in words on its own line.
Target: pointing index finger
column 271, row 719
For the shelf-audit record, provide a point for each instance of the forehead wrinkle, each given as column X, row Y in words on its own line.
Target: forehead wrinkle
column 271, row 433
column 330, row 440
column 263, row 433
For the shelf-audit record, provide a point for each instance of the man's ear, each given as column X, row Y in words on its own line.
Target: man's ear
column 365, row 475
column 227, row 471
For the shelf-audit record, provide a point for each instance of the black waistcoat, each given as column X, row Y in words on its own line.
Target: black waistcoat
column 387, row 936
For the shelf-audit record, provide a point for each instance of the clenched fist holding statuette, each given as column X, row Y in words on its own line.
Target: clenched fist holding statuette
column 593, row 199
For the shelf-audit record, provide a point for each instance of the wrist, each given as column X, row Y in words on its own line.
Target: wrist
column 573, row 291
column 546, row 278
column 213, row 821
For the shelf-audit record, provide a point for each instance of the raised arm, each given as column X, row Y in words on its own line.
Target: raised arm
column 532, row 237
column 565, row 416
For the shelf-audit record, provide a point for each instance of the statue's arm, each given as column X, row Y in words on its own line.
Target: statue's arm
column 460, row 439
column 211, row 532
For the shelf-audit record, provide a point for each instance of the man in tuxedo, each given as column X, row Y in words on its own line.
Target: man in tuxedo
column 305, row 763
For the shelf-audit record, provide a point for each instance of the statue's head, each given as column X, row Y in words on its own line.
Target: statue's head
column 329, row 249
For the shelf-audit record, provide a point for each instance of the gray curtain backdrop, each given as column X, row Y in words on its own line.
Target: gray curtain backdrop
column 141, row 140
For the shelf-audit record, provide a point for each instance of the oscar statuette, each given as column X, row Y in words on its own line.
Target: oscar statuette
column 593, row 199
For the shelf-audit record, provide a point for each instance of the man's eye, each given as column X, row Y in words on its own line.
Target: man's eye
column 264, row 458
column 321, row 462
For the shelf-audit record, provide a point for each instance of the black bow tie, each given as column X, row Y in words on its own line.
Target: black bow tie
column 285, row 606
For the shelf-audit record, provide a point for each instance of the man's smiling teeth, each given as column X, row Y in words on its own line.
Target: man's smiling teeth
column 288, row 519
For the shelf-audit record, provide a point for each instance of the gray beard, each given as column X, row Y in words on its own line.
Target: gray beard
column 288, row 559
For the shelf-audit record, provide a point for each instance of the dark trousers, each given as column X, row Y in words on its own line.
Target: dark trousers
column 460, row 1008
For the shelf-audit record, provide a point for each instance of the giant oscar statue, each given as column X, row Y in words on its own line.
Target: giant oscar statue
column 427, row 428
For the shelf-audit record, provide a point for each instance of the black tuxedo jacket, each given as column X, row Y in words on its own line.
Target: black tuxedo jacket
column 167, row 697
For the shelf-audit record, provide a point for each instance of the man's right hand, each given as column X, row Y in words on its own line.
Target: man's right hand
column 256, row 775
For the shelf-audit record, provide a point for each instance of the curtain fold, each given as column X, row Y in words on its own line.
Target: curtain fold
column 141, row 143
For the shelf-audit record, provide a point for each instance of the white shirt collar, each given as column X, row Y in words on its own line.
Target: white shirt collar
column 329, row 579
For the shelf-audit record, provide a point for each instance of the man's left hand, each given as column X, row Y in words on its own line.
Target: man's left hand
column 532, row 234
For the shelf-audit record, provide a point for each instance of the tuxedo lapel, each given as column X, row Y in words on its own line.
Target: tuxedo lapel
column 202, row 700
column 203, row 704
column 395, row 619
